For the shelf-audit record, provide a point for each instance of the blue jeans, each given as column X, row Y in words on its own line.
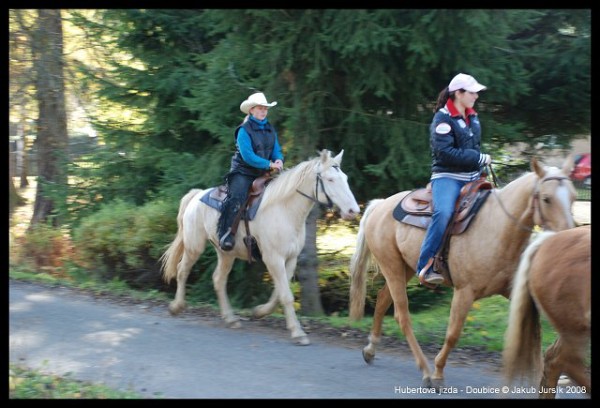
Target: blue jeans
column 445, row 192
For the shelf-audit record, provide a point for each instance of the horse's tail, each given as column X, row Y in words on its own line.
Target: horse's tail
column 522, row 355
column 170, row 259
column 360, row 263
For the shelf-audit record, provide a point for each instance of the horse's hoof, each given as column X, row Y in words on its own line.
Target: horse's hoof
column 426, row 383
column 302, row 341
column 174, row 309
column 367, row 356
column 235, row 324
column 547, row 395
column 257, row 314
column 438, row 384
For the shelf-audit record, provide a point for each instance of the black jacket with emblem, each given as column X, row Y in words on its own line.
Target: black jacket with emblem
column 455, row 145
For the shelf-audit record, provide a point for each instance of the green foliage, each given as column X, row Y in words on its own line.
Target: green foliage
column 44, row 246
column 556, row 53
column 154, row 226
column 358, row 79
column 40, row 239
column 24, row 383
column 124, row 241
column 103, row 238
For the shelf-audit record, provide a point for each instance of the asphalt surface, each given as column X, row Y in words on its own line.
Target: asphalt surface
column 141, row 348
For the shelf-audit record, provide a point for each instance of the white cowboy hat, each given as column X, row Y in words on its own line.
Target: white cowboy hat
column 255, row 100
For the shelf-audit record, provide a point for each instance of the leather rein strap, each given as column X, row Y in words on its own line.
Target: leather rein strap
column 319, row 182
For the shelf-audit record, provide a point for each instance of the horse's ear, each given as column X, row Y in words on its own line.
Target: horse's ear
column 536, row 167
column 338, row 158
column 568, row 165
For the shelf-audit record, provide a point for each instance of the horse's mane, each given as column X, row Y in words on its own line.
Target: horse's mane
column 516, row 183
column 288, row 180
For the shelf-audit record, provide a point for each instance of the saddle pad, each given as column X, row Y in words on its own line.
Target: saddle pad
column 218, row 205
column 423, row 221
column 211, row 202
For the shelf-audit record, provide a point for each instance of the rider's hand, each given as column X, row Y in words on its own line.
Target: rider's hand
column 488, row 159
column 277, row 164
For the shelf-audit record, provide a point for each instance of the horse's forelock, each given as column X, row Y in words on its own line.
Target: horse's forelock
column 551, row 171
column 325, row 155
column 328, row 161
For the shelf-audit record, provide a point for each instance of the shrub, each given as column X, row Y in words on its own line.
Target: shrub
column 45, row 248
column 124, row 241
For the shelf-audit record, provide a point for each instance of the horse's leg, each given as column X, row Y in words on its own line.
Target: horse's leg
column 552, row 370
column 265, row 309
column 562, row 357
column 184, row 267
column 281, row 273
column 382, row 304
column 219, row 277
column 396, row 281
column 462, row 300
column 574, row 366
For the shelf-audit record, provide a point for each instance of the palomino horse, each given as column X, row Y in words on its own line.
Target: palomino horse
column 554, row 278
column 481, row 260
column 278, row 227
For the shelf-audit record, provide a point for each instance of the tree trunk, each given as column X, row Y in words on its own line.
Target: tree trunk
column 47, row 47
column 308, row 269
column 21, row 152
column 14, row 199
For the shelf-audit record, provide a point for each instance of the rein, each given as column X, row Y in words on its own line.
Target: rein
column 534, row 203
column 318, row 181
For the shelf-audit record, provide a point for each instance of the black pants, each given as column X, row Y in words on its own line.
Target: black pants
column 237, row 193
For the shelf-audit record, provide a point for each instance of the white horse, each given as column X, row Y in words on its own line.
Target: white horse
column 278, row 227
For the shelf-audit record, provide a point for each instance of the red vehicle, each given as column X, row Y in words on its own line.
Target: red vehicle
column 582, row 172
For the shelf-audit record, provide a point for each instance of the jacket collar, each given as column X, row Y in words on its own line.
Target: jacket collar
column 260, row 122
column 454, row 112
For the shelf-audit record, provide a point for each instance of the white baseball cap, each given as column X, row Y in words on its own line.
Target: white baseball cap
column 256, row 99
column 466, row 82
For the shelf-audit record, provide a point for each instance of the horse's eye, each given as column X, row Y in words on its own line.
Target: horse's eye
column 546, row 200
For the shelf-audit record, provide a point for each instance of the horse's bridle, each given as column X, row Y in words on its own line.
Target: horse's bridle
column 319, row 182
column 534, row 203
column 536, row 196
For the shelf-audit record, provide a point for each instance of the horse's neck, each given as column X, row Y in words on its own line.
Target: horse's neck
column 517, row 197
column 289, row 198
column 513, row 216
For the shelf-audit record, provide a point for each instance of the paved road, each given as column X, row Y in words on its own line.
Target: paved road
column 143, row 349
